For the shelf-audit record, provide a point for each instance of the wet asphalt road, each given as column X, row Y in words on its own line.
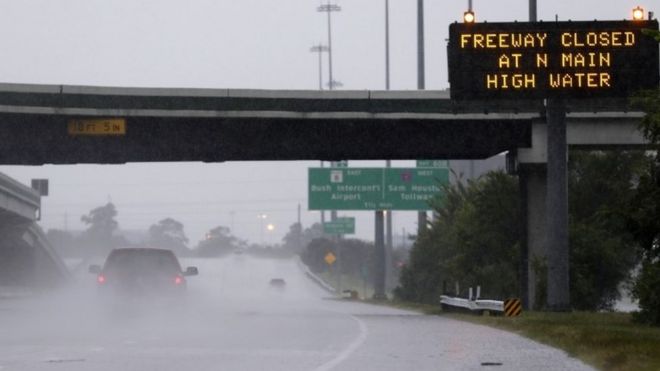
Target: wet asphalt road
column 232, row 320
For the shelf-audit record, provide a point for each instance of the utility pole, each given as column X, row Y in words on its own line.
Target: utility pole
column 421, row 216
column 320, row 48
column 329, row 8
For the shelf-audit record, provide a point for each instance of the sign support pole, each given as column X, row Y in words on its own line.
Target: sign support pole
column 557, row 208
column 388, row 243
column 523, row 178
column 421, row 82
column 379, row 258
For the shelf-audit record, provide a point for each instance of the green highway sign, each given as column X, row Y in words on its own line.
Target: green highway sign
column 439, row 164
column 340, row 226
column 374, row 188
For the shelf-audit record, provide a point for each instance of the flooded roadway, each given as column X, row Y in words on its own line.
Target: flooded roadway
column 232, row 319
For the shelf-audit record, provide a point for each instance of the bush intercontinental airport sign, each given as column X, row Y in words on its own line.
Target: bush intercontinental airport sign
column 594, row 59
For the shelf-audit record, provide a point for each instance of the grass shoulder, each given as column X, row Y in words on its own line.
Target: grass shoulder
column 607, row 341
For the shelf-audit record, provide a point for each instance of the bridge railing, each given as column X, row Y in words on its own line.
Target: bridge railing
column 20, row 191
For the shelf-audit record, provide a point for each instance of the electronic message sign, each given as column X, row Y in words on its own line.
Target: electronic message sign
column 593, row 59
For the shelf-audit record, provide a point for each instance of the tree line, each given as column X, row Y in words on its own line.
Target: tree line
column 103, row 234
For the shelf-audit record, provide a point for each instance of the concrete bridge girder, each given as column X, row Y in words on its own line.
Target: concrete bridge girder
column 26, row 258
column 587, row 130
column 17, row 202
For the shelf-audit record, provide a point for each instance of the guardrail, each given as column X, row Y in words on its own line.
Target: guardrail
column 478, row 305
column 20, row 191
column 318, row 280
column 509, row 307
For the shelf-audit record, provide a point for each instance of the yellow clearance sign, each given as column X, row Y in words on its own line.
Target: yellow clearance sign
column 97, row 126
column 527, row 60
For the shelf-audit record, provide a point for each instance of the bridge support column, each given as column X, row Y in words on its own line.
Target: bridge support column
column 379, row 258
column 557, row 208
column 533, row 189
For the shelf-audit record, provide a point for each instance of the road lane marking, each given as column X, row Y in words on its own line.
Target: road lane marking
column 352, row 347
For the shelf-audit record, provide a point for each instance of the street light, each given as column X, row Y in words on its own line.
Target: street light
column 638, row 14
column 468, row 17
column 329, row 8
column 261, row 217
column 320, row 48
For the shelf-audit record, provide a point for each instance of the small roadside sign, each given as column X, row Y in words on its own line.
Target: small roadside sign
column 330, row 258
column 41, row 186
column 340, row 226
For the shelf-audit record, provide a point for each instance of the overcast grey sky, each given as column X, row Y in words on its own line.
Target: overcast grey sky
column 227, row 44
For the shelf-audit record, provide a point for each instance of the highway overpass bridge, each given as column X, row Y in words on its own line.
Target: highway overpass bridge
column 153, row 124
column 26, row 258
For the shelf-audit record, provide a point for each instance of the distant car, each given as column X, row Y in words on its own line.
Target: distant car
column 278, row 282
column 142, row 271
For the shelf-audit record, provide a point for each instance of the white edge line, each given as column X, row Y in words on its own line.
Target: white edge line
column 352, row 347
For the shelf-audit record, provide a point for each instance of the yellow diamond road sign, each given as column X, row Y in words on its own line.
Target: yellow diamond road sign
column 330, row 258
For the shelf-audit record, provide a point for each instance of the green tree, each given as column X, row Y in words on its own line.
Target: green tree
column 474, row 238
column 99, row 237
column 315, row 253
column 169, row 234
column 297, row 239
column 292, row 241
column 644, row 211
column 219, row 241
column 484, row 247
column 603, row 251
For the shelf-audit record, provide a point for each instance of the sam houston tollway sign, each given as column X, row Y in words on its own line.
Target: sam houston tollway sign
column 594, row 59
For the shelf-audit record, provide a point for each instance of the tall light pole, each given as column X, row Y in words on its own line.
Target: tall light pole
column 420, row 45
column 387, row 44
column 320, row 48
column 329, row 8
column 388, row 163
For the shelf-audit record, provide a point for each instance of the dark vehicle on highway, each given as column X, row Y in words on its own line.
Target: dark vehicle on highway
column 142, row 271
